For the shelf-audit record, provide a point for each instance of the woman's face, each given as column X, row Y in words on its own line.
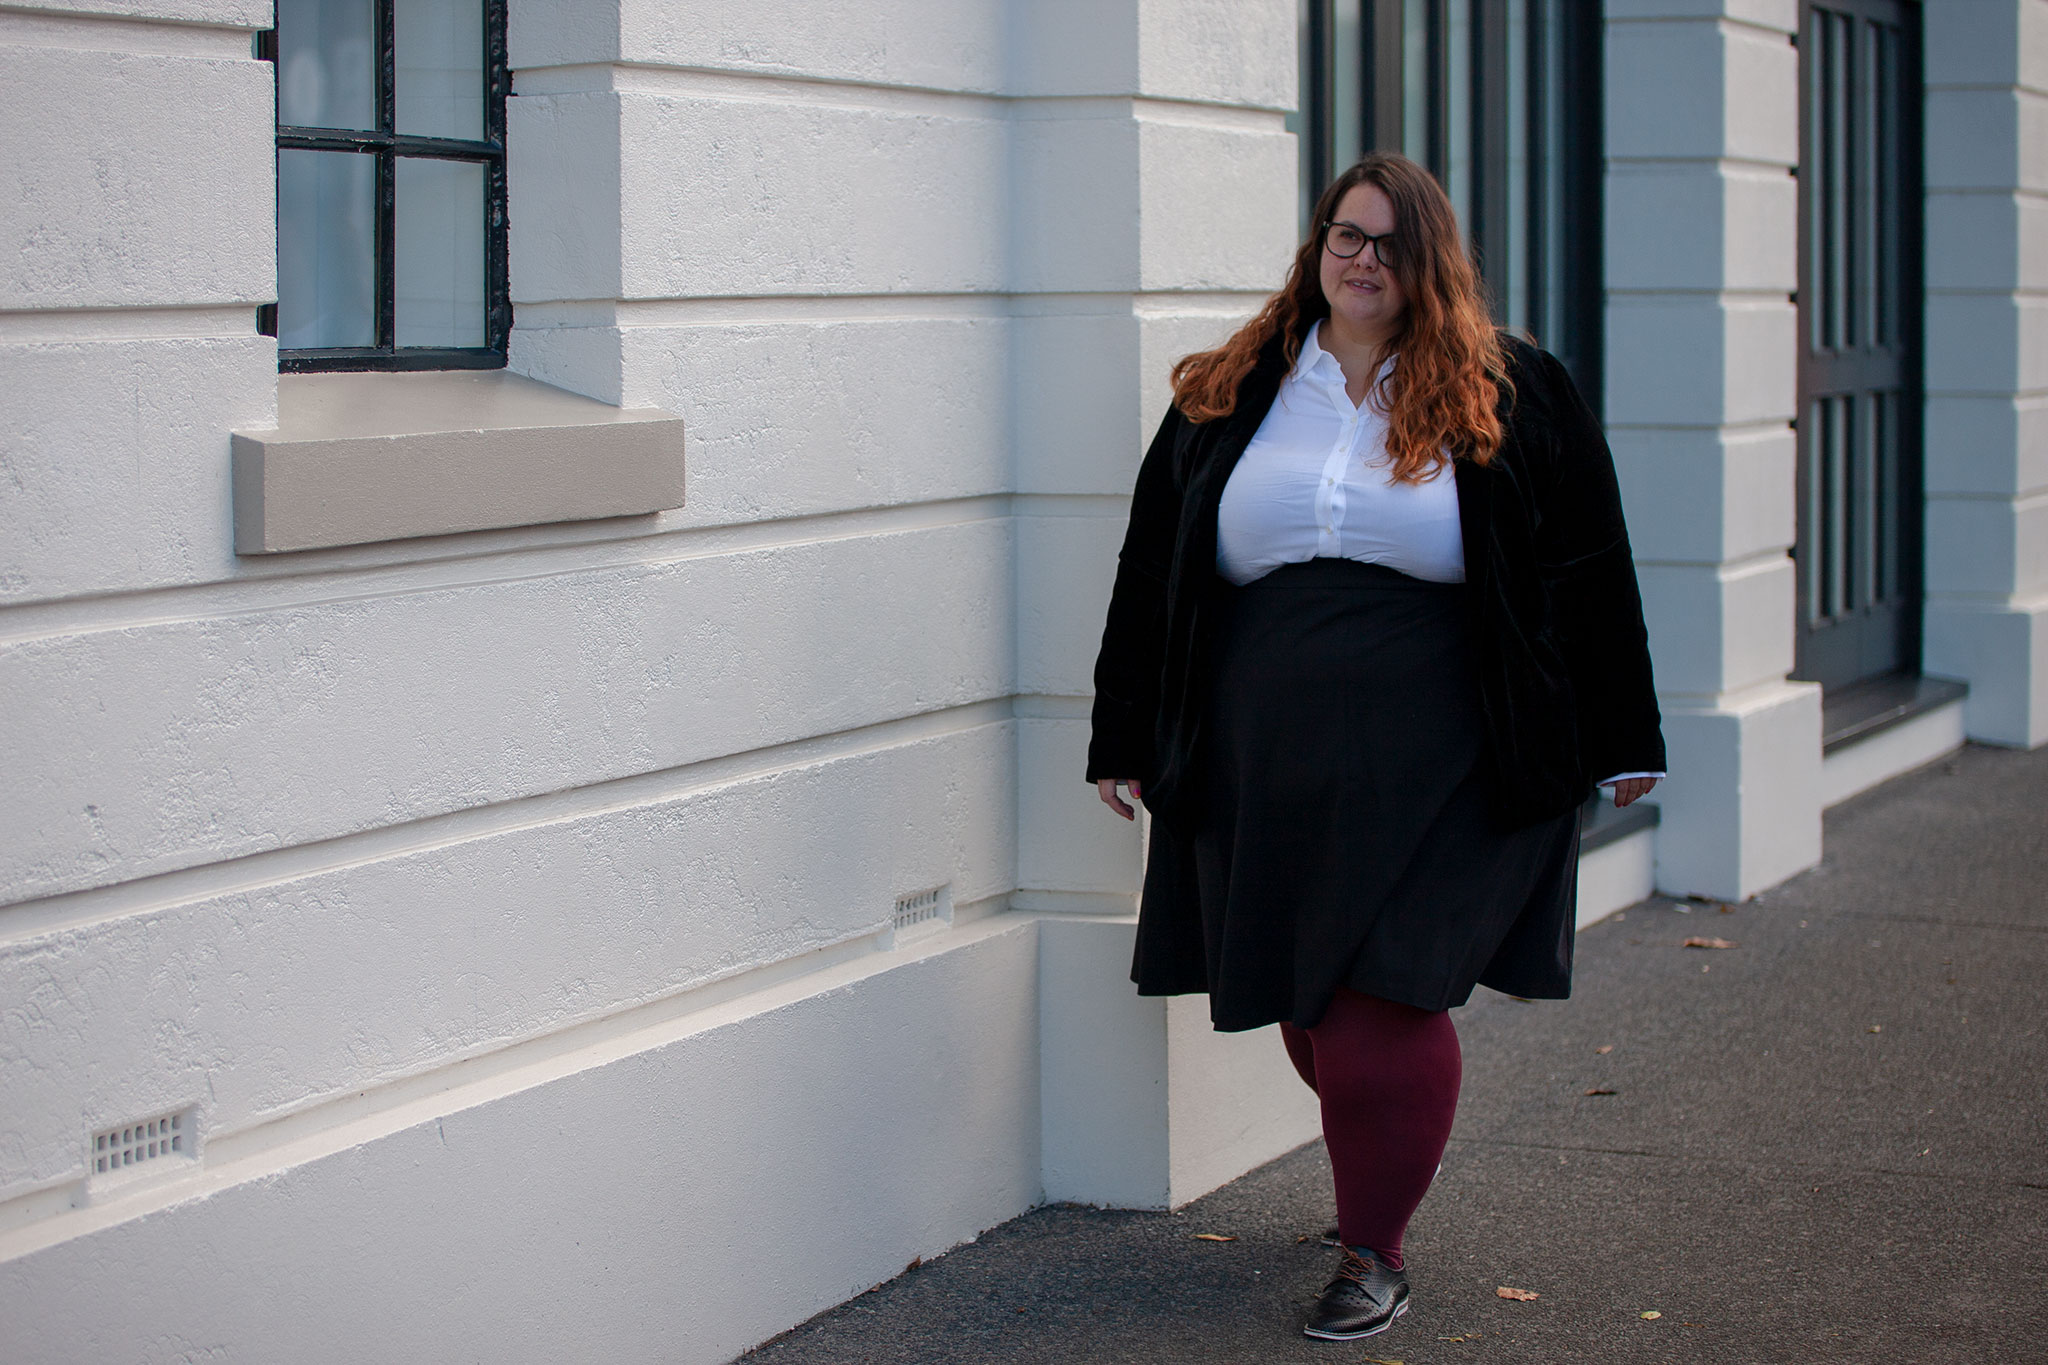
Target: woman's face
column 1366, row 298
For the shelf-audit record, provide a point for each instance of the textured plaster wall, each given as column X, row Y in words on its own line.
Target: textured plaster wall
column 529, row 891
column 644, row 1197
column 1987, row 362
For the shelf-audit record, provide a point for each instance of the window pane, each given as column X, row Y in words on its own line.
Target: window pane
column 1417, row 82
column 326, row 64
column 439, row 246
column 326, row 249
column 440, row 60
column 1458, row 131
column 1512, row 274
column 1347, row 93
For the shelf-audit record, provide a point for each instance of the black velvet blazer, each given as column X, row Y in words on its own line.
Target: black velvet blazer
column 1558, row 622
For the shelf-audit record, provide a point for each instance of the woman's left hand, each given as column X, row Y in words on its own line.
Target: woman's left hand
column 1632, row 789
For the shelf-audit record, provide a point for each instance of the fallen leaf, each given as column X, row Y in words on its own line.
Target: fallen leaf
column 1603, row 1051
column 1299, row 1240
column 1875, row 1028
column 1602, row 1090
column 1518, row 1295
column 915, row 1262
column 1375, row 1360
column 1698, row 942
column 1651, row 1316
column 1213, row 1237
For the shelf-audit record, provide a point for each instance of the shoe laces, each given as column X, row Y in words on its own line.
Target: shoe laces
column 1355, row 1267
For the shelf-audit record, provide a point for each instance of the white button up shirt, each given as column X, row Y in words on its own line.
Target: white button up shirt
column 1313, row 484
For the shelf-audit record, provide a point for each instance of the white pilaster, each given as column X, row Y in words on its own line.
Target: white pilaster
column 1702, row 135
column 1987, row 361
column 1151, row 210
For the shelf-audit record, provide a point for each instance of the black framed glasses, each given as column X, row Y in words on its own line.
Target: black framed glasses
column 1342, row 239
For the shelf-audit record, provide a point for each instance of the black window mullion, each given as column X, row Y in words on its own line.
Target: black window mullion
column 1584, row 140
column 387, row 173
column 1320, row 96
column 1383, row 76
column 497, row 259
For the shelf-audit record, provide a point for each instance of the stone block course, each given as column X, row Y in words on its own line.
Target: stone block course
column 191, row 741
column 249, row 14
column 263, row 1000
column 116, row 453
column 1704, row 496
column 1718, row 628
column 1987, row 343
column 789, row 417
column 158, row 194
column 1196, row 235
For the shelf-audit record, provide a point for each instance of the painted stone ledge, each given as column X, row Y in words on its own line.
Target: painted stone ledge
column 366, row 457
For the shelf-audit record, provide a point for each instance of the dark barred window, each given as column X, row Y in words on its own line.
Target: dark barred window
column 1501, row 100
column 390, row 184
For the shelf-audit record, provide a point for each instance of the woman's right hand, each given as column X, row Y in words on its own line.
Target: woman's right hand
column 1106, row 788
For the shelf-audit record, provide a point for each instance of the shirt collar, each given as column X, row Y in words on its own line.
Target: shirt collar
column 1313, row 357
column 1319, row 363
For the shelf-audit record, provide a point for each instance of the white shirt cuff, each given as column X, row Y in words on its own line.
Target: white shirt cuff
column 1623, row 777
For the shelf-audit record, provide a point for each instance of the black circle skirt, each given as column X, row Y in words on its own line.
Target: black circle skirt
column 1339, row 831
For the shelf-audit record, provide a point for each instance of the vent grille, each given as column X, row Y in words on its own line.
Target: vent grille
column 920, row 908
column 137, row 1144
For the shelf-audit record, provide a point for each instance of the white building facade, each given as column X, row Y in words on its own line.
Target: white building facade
column 553, row 827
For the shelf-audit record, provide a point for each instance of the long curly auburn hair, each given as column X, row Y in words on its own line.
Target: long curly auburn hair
column 1450, row 369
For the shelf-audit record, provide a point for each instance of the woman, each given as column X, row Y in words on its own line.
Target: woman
column 1374, row 636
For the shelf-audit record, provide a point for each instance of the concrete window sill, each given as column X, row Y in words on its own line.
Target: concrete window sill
column 358, row 458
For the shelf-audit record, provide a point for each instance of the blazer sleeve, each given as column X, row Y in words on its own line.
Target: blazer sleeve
column 1596, row 608
column 1127, row 669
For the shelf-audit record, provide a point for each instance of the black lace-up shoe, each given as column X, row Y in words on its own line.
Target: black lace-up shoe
column 1365, row 1298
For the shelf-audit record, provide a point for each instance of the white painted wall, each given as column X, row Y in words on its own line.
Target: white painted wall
column 633, row 1194
column 1987, row 361
column 1702, row 131
column 518, row 902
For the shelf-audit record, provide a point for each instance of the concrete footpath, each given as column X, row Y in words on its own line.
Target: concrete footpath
column 1828, row 1142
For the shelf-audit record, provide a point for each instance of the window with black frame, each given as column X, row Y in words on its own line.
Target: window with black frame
column 390, row 184
column 1501, row 100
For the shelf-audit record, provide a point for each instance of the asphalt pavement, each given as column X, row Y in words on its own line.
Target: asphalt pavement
column 1827, row 1142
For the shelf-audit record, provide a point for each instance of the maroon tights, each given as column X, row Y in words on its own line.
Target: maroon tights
column 1387, row 1075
